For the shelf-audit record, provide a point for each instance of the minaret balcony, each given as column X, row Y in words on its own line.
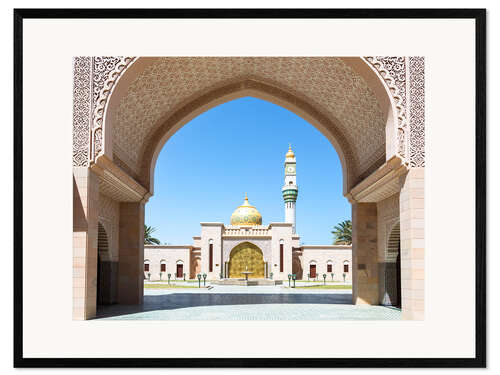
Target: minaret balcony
column 290, row 193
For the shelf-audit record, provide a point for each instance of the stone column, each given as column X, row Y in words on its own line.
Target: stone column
column 364, row 254
column 412, row 244
column 85, row 211
column 131, row 258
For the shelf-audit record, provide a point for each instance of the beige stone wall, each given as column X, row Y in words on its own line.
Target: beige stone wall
column 171, row 255
column 85, row 210
column 281, row 231
column 412, row 244
column 322, row 255
column 211, row 231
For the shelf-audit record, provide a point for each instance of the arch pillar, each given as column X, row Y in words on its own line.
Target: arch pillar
column 412, row 244
column 364, row 254
column 85, row 233
column 131, row 253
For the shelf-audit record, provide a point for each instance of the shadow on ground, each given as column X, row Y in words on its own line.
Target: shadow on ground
column 184, row 300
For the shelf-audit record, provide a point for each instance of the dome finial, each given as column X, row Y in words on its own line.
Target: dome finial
column 290, row 153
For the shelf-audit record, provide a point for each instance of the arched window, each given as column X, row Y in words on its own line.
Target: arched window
column 282, row 253
column 346, row 266
column 329, row 266
column 163, row 266
column 146, row 265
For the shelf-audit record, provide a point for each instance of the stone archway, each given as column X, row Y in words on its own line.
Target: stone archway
column 364, row 107
column 104, row 295
column 392, row 272
column 359, row 117
column 297, row 267
column 246, row 257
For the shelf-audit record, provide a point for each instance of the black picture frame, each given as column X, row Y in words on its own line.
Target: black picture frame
column 479, row 15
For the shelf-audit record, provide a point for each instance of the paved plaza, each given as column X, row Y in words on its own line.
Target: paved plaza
column 222, row 302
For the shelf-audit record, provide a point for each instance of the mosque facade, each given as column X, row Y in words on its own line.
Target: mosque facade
column 270, row 251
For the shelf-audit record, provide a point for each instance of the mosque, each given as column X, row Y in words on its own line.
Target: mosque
column 265, row 252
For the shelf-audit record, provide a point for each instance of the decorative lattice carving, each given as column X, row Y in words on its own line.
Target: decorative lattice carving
column 327, row 83
column 81, row 110
column 101, row 67
column 417, row 111
column 106, row 71
column 393, row 71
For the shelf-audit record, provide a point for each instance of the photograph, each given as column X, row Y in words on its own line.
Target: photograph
column 178, row 143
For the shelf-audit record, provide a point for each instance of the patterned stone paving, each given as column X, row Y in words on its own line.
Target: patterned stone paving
column 247, row 303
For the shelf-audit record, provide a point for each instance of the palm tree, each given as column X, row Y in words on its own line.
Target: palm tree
column 343, row 233
column 148, row 239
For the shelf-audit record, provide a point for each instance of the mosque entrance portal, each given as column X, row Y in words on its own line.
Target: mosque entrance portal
column 246, row 257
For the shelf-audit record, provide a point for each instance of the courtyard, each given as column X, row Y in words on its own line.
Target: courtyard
column 308, row 301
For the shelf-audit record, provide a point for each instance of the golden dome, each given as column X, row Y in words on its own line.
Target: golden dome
column 290, row 153
column 246, row 214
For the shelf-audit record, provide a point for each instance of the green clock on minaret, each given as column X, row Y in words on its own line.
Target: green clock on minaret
column 290, row 169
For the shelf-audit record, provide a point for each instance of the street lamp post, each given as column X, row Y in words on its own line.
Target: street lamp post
column 169, row 275
column 294, row 277
column 199, row 280
column 332, row 276
column 271, row 274
column 204, row 278
column 324, row 279
column 184, row 276
column 308, row 277
column 343, row 275
column 289, row 279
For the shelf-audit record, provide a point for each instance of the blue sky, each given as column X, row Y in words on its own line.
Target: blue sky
column 204, row 170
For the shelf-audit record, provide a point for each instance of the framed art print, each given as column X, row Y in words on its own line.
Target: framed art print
column 250, row 188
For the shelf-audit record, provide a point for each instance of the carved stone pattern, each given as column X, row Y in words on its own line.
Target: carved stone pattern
column 326, row 82
column 387, row 217
column 101, row 67
column 109, row 215
column 106, row 71
column 417, row 111
column 81, row 110
column 393, row 70
column 396, row 66
column 113, row 192
column 123, row 165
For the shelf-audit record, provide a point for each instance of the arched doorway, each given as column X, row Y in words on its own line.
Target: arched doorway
column 179, row 269
column 246, row 257
column 312, row 269
column 104, row 282
column 297, row 267
column 392, row 275
column 195, row 267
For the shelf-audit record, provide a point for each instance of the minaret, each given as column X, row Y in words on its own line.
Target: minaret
column 290, row 189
